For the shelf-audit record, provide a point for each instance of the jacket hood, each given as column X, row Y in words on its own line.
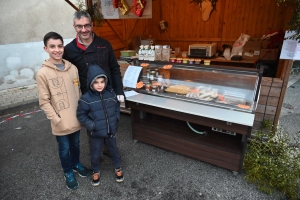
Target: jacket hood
column 94, row 72
column 49, row 64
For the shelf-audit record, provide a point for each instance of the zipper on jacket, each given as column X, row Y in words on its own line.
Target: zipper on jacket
column 105, row 112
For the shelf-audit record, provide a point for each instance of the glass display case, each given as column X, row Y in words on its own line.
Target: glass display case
column 224, row 87
column 204, row 112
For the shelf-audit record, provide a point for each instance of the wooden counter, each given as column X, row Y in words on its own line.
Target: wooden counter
column 168, row 129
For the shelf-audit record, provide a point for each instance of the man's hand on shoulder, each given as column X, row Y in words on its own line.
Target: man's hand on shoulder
column 120, row 98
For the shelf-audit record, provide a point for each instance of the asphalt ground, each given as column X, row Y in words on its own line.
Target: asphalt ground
column 289, row 119
column 30, row 168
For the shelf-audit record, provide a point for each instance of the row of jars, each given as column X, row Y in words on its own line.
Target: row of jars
column 189, row 61
column 153, row 73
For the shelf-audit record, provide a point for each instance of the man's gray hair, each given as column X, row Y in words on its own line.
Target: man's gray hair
column 80, row 14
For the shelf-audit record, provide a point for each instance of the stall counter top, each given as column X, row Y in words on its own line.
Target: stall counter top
column 222, row 114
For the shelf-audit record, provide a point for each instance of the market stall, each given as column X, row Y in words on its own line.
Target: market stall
column 204, row 112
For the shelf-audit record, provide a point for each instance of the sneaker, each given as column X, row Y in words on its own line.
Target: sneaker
column 119, row 174
column 71, row 182
column 81, row 170
column 96, row 179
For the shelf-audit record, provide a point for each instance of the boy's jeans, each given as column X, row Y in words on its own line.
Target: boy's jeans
column 68, row 150
column 96, row 145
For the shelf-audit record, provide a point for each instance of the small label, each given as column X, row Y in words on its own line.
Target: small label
column 248, row 54
column 256, row 53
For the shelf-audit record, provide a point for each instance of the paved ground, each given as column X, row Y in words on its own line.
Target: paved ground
column 290, row 112
column 30, row 168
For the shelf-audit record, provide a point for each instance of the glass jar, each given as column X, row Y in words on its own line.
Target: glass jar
column 185, row 61
column 148, row 73
column 156, row 72
column 148, row 87
column 159, row 78
column 179, row 60
column 154, row 88
column 152, row 75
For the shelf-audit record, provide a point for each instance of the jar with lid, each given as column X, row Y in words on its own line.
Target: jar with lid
column 148, row 87
column 154, row 88
column 159, row 78
column 148, row 73
column 156, row 72
column 152, row 75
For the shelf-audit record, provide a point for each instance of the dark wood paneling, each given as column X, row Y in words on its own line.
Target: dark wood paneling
column 215, row 148
column 229, row 20
column 226, row 23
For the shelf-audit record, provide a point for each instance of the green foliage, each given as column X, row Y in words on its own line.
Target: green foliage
column 93, row 10
column 294, row 23
column 272, row 161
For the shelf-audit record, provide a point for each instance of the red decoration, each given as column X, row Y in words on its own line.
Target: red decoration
column 116, row 3
column 122, row 5
column 138, row 7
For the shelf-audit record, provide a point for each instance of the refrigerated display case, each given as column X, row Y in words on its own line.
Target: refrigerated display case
column 204, row 112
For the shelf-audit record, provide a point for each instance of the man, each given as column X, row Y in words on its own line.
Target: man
column 88, row 49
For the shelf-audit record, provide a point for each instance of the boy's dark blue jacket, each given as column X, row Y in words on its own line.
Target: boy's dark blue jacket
column 99, row 112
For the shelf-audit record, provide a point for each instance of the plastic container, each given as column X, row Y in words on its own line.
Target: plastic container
column 128, row 53
column 206, row 62
column 179, row 60
column 197, row 61
column 173, row 59
column 191, row 61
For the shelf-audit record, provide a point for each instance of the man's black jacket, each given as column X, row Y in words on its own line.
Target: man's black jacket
column 99, row 52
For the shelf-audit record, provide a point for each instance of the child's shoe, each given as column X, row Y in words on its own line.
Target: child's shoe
column 96, row 179
column 119, row 175
column 81, row 170
column 71, row 182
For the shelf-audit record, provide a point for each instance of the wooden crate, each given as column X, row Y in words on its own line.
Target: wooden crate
column 268, row 101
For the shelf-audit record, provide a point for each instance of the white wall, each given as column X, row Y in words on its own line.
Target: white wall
column 23, row 26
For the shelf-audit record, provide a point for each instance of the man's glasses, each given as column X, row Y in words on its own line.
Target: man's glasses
column 86, row 26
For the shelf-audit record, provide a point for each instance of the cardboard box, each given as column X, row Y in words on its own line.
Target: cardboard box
column 268, row 54
column 264, row 44
column 251, row 50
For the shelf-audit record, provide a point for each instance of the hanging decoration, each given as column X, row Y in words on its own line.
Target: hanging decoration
column 92, row 9
column 122, row 5
column 206, row 7
column 138, row 7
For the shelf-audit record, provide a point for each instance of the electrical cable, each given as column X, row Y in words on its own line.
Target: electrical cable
column 168, row 37
column 198, row 132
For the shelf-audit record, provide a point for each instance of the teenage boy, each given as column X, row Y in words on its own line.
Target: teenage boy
column 58, row 89
column 99, row 111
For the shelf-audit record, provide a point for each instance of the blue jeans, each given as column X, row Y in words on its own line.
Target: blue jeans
column 96, row 145
column 68, row 150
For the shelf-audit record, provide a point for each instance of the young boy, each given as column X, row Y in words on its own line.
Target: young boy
column 58, row 90
column 99, row 111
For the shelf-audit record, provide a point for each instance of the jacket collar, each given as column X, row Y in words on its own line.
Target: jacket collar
column 80, row 44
